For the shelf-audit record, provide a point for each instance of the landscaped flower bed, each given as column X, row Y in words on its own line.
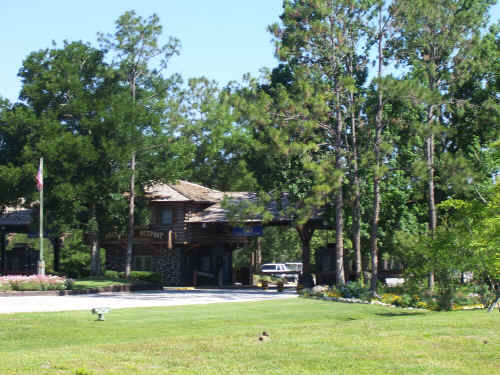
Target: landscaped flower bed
column 33, row 283
column 354, row 292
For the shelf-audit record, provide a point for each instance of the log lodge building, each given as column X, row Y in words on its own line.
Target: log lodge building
column 189, row 240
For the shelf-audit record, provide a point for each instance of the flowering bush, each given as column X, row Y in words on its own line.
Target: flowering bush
column 33, row 282
column 389, row 298
column 355, row 289
column 404, row 300
column 333, row 292
column 406, row 296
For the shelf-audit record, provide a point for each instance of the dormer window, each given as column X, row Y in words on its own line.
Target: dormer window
column 166, row 216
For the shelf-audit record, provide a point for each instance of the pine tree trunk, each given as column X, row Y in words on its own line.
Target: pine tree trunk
column 95, row 251
column 374, row 229
column 130, row 239
column 95, row 265
column 339, row 203
column 376, row 203
column 356, row 210
column 357, row 229
column 430, row 184
column 376, row 172
column 305, row 234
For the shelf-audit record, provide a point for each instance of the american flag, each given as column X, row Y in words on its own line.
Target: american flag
column 39, row 177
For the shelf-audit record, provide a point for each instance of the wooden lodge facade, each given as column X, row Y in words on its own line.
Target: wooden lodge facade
column 189, row 239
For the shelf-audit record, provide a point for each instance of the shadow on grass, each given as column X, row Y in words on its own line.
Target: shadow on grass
column 400, row 313
column 350, row 319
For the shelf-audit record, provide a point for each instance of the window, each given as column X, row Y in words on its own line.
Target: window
column 167, row 216
column 268, row 267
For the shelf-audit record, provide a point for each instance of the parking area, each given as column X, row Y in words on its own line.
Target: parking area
column 136, row 299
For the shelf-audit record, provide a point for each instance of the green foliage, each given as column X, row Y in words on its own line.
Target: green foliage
column 266, row 278
column 75, row 262
column 288, row 136
column 355, row 289
column 144, row 276
column 220, row 146
column 280, row 245
column 485, row 293
column 110, row 274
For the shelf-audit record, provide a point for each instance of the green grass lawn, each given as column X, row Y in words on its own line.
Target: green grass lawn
column 97, row 282
column 307, row 337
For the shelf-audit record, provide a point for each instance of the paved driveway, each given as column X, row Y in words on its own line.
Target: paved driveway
column 136, row 299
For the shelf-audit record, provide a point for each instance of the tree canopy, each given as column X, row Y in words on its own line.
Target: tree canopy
column 380, row 121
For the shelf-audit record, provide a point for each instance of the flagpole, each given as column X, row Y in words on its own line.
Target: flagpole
column 41, row 263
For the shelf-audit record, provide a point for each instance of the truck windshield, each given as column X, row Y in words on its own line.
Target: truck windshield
column 268, row 268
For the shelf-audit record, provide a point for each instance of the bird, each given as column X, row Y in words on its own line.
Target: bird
column 264, row 337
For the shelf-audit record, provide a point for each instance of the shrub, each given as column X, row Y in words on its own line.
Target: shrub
column 69, row 283
column 75, row 260
column 28, row 285
column 355, row 289
column 406, row 300
column 110, row 274
column 485, row 294
column 146, row 276
column 5, row 286
column 266, row 278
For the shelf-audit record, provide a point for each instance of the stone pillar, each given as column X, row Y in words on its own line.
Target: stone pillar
column 171, row 266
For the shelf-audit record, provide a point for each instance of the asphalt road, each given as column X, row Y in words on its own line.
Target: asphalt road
column 16, row 304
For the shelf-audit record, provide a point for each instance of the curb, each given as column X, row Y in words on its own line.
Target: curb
column 107, row 289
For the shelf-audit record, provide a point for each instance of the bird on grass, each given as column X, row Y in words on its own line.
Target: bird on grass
column 264, row 337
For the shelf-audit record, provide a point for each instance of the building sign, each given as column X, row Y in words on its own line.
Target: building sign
column 140, row 234
column 152, row 234
column 248, row 231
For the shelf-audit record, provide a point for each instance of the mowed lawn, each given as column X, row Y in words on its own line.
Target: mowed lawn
column 307, row 337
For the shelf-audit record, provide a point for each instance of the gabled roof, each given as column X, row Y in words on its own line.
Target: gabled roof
column 216, row 214
column 164, row 193
column 197, row 192
column 183, row 191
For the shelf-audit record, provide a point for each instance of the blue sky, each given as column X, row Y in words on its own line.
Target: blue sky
column 221, row 39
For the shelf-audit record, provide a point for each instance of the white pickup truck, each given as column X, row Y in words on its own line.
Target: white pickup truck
column 276, row 269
